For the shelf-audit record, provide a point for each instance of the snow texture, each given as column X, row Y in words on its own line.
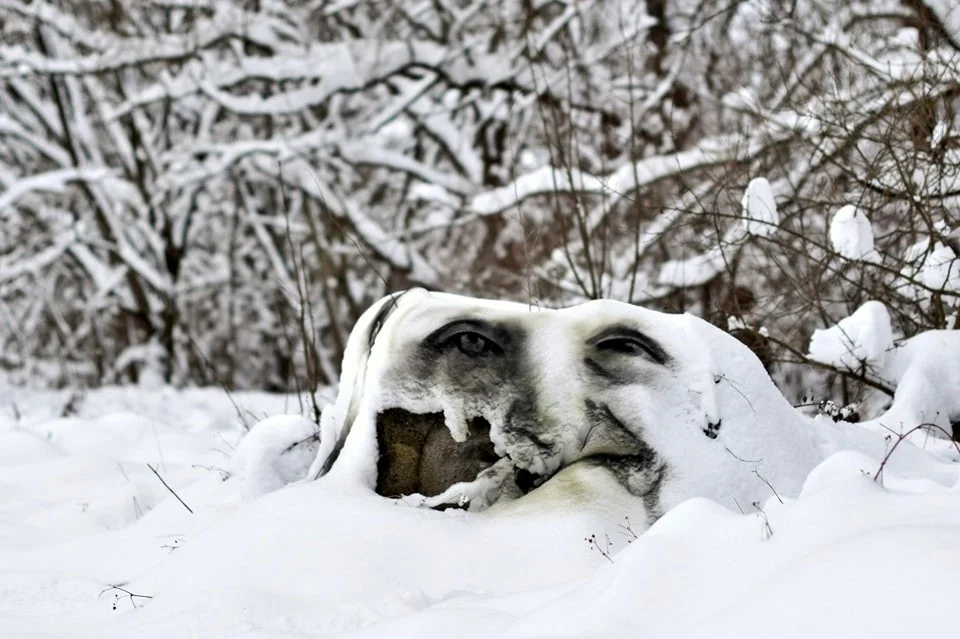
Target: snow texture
column 857, row 343
column 948, row 13
column 941, row 270
column 276, row 452
column 702, row 267
column 852, row 236
column 760, row 215
column 925, row 382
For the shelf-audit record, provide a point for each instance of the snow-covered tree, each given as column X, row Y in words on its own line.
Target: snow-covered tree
column 211, row 191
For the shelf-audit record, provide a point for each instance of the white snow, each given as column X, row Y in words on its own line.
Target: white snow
column 941, row 269
column 857, row 343
column 700, row 268
column 940, row 131
column 54, row 181
column 433, row 193
column 926, row 382
column 760, row 215
column 81, row 512
column 277, row 451
column 613, row 186
column 851, row 235
column 948, row 13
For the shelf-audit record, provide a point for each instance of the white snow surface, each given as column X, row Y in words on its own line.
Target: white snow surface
column 857, row 343
column 851, row 235
column 275, row 453
column 949, row 14
column 941, row 269
column 926, row 381
column 760, row 214
column 844, row 555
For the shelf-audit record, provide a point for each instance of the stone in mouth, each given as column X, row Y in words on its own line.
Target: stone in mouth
column 418, row 456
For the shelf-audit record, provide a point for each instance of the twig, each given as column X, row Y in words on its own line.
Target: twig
column 224, row 474
column 769, row 485
column 723, row 378
column 172, row 491
column 767, row 532
column 860, row 376
column 739, row 458
column 605, row 551
column 628, row 530
column 213, row 369
column 902, row 436
column 130, row 595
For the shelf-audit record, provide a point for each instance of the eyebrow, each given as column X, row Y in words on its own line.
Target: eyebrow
column 648, row 343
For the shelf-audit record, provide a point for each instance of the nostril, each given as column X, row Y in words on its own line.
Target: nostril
column 479, row 426
column 525, row 480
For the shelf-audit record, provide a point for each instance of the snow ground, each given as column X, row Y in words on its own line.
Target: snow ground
column 81, row 511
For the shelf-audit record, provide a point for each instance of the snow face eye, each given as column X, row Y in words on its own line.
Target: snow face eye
column 623, row 345
column 472, row 338
column 474, row 344
column 626, row 341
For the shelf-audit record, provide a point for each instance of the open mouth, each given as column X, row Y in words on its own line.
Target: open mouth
column 418, row 456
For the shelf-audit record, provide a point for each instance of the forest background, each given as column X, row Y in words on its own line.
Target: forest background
column 205, row 192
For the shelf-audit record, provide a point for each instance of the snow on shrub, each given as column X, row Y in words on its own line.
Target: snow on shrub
column 941, row 270
column 858, row 343
column 852, row 236
column 760, row 215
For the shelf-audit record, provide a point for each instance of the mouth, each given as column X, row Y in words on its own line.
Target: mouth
column 419, row 459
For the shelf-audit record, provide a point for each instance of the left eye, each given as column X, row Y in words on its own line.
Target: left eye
column 473, row 344
column 473, row 338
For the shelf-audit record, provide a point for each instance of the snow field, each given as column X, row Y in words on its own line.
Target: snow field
column 81, row 511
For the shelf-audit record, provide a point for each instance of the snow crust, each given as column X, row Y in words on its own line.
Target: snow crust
column 276, row 452
column 926, row 382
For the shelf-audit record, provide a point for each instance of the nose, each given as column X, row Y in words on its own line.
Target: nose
column 554, row 352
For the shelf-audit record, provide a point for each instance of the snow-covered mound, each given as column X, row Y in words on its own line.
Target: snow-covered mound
column 668, row 405
column 858, row 343
column 275, row 453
